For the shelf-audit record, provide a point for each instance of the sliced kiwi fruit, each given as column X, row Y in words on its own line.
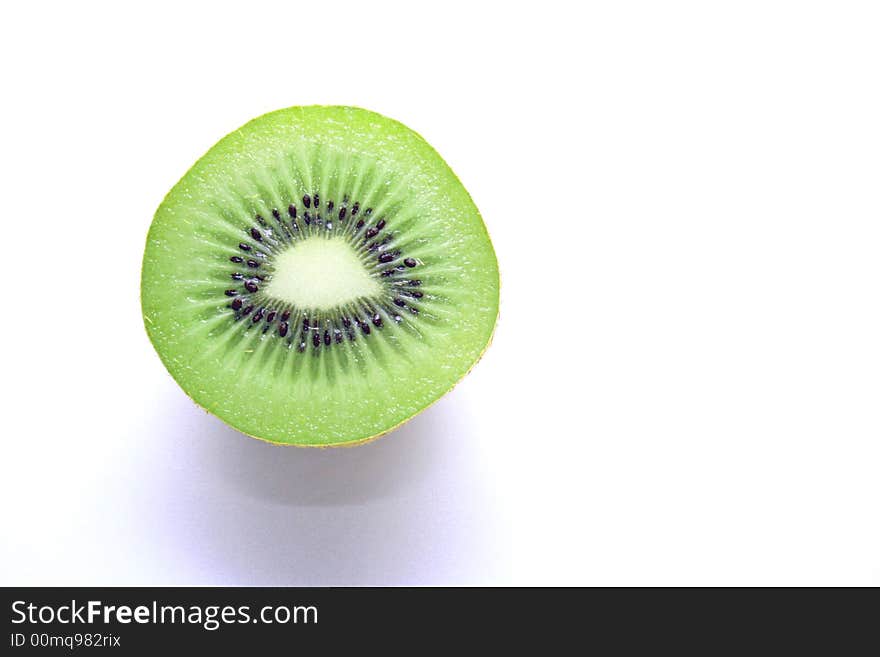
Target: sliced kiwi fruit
column 319, row 277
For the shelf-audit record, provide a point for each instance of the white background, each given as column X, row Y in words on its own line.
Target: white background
column 684, row 383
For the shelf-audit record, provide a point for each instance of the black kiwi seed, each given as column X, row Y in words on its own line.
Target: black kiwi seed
column 236, row 259
column 253, row 263
column 365, row 328
column 329, row 206
column 282, row 329
column 415, row 283
column 237, row 277
column 291, row 210
column 337, row 334
column 247, row 311
column 307, row 218
column 257, row 316
column 256, row 235
column 316, row 199
column 386, row 257
column 271, row 316
column 244, row 247
column 381, row 224
column 400, row 303
column 346, row 322
column 307, row 201
column 327, row 338
column 316, row 339
column 250, row 286
column 341, row 214
column 409, row 262
column 416, row 294
column 360, row 223
column 231, row 293
column 236, row 304
column 355, row 208
column 371, row 232
column 377, row 320
column 285, row 315
column 368, row 212
column 305, row 323
column 275, row 213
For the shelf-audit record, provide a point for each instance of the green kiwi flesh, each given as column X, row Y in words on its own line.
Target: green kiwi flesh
column 319, row 277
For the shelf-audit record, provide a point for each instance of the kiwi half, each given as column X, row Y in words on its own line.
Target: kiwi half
column 319, row 277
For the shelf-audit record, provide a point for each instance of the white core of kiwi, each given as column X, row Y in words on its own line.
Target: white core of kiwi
column 320, row 273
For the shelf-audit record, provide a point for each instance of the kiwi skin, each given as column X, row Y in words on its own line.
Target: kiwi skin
column 360, row 440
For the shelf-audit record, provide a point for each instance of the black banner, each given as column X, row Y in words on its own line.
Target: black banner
column 133, row 620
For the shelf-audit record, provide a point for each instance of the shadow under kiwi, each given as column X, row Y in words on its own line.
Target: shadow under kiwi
column 295, row 476
column 409, row 508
